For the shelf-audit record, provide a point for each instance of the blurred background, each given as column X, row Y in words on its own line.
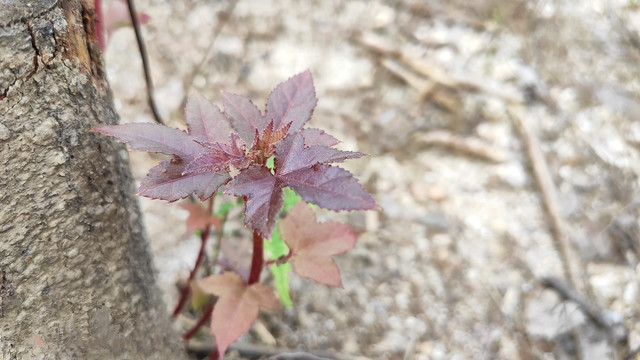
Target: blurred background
column 504, row 148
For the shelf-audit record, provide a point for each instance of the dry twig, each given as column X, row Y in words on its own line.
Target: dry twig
column 425, row 87
column 470, row 146
column 396, row 57
column 250, row 351
column 605, row 319
column 571, row 262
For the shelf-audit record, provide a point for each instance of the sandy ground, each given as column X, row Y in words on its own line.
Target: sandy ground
column 438, row 93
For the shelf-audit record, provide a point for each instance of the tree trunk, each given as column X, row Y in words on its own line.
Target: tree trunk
column 76, row 276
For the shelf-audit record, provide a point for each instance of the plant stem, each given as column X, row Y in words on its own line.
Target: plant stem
column 257, row 259
column 216, row 249
column 145, row 61
column 203, row 242
column 206, row 316
column 214, row 354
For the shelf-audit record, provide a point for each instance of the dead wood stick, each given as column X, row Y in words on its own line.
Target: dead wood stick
column 605, row 319
column 422, row 85
column 457, row 81
column 434, row 73
column 571, row 262
column 426, row 88
column 470, row 146
column 251, row 351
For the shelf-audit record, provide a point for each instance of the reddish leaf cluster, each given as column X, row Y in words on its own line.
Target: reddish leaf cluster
column 312, row 244
column 243, row 138
column 237, row 308
column 198, row 218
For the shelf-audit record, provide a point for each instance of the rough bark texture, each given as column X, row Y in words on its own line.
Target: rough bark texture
column 76, row 277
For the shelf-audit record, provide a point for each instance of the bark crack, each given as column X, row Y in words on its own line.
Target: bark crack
column 3, row 94
column 55, row 40
column 6, row 290
column 35, row 48
column 36, row 64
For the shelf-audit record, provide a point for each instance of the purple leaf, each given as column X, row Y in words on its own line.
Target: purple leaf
column 292, row 102
column 291, row 155
column 318, row 137
column 166, row 181
column 245, row 116
column 154, row 138
column 205, row 121
column 264, row 197
column 329, row 187
column 218, row 157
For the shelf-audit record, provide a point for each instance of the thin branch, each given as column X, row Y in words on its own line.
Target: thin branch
column 206, row 316
column 472, row 146
column 252, row 351
column 203, row 242
column 605, row 319
column 571, row 262
column 216, row 249
column 145, row 61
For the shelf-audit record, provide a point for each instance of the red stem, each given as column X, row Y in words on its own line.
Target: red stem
column 257, row 259
column 214, row 354
column 203, row 242
column 206, row 316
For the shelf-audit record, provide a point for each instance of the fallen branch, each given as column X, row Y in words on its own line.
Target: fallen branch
column 251, row 351
column 396, row 57
column 571, row 262
column 607, row 320
column 470, row 146
column 426, row 88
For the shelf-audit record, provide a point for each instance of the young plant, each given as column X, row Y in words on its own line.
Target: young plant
column 255, row 156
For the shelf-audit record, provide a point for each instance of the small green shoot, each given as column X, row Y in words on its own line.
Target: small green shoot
column 277, row 248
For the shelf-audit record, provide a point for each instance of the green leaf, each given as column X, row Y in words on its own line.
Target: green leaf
column 290, row 198
column 270, row 162
column 281, row 276
column 224, row 208
column 275, row 249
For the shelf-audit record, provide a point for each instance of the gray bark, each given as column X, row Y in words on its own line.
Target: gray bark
column 76, row 277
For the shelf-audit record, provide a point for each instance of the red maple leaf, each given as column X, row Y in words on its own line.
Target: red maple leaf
column 198, row 218
column 204, row 155
column 312, row 244
column 237, row 307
